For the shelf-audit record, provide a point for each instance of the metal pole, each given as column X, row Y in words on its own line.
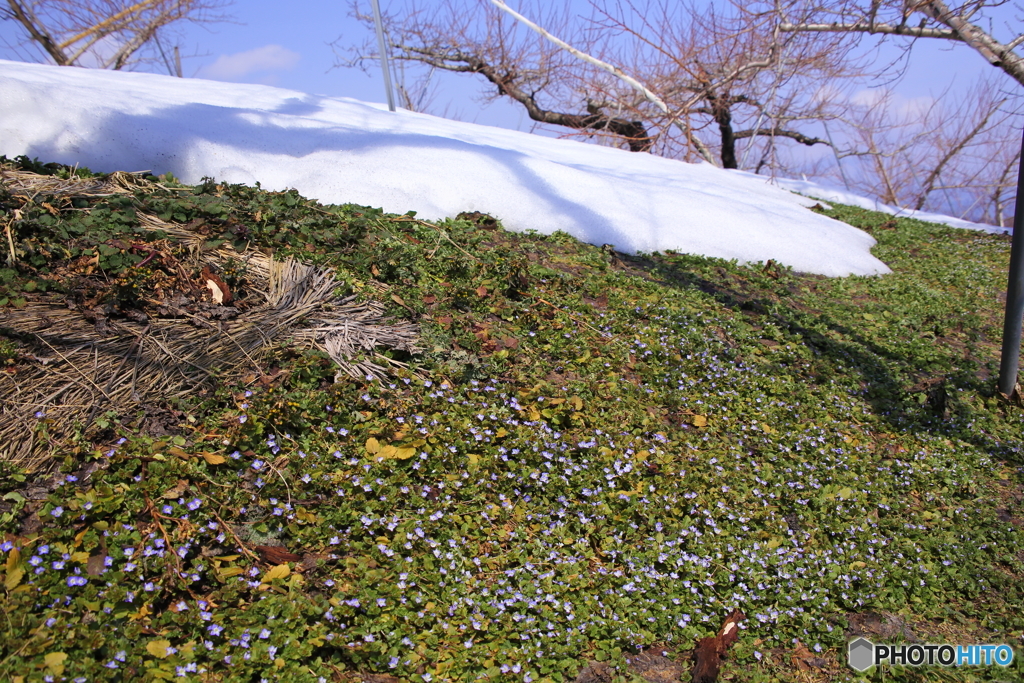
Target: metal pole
column 383, row 54
column 1008, row 364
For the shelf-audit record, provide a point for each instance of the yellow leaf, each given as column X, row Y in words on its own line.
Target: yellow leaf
column 14, row 577
column 158, row 648
column 174, row 450
column 501, row 432
column 13, row 559
column 81, row 557
column 228, row 572
column 858, row 565
column 372, row 445
column 279, row 663
column 278, row 572
column 387, row 451
column 474, row 460
column 576, row 401
column 767, row 428
column 55, row 662
column 698, row 421
column 773, row 544
column 213, row 458
column 404, row 453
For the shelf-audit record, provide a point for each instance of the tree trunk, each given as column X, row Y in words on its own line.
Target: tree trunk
column 723, row 117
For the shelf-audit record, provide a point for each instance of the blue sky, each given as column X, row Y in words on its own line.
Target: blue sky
column 289, row 47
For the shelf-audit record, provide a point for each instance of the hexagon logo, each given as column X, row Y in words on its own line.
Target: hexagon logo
column 861, row 654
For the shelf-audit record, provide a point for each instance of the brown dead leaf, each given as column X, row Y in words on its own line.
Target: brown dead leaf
column 801, row 655
column 276, row 555
column 711, row 650
column 177, row 490
column 95, row 564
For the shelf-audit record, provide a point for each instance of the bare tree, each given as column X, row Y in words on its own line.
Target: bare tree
column 935, row 154
column 110, row 34
column 737, row 89
column 739, row 80
column 933, row 19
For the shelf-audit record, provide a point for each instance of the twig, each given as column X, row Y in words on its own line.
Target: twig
column 167, row 539
column 227, row 527
column 11, row 257
column 614, row 71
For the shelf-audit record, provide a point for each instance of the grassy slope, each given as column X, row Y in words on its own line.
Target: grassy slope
column 608, row 452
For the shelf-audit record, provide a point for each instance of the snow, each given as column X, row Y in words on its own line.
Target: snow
column 339, row 150
column 831, row 194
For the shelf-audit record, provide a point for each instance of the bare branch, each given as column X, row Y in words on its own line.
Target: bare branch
column 28, row 20
column 899, row 30
column 782, row 133
column 107, row 32
column 613, row 70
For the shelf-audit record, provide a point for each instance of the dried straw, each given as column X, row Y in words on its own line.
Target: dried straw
column 79, row 372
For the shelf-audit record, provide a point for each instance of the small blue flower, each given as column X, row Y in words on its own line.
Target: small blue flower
column 194, row 504
column 57, row 511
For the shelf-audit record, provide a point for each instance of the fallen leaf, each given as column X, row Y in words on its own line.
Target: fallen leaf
column 177, row 490
column 213, row 458
column 699, row 421
column 94, row 565
column 279, row 572
column 14, row 577
column 710, row 650
column 55, row 662
column 372, row 445
column 276, row 555
column 404, row 453
column 481, row 291
column 801, row 655
column 158, row 648
column 429, row 298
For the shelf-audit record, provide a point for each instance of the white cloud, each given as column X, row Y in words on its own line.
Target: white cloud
column 241, row 64
column 897, row 104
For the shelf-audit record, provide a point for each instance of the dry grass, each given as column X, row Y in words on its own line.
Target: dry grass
column 81, row 369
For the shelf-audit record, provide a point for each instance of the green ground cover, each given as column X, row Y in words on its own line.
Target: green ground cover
column 595, row 454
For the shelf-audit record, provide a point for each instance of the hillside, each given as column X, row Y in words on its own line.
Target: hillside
column 522, row 458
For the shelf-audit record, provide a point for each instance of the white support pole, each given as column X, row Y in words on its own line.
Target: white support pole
column 382, row 44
